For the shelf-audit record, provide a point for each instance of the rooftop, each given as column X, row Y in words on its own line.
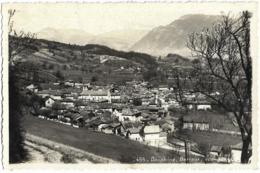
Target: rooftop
column 134, row 130
column 94, row 92
column 152, row 129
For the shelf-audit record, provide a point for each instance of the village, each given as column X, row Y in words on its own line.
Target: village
column 135, row 111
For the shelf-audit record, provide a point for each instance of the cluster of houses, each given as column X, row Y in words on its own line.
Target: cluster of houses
column 114, row 110
column 102, row 109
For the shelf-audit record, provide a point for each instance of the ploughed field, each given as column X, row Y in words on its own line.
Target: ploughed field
column 109, row 146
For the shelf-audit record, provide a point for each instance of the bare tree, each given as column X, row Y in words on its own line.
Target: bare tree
column 25, row 38
column 178, row 88
column 225, row 72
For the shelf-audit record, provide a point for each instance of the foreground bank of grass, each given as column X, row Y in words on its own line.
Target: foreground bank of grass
column 109, row 146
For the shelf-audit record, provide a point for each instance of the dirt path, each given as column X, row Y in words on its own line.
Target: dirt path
column 44, row 150
column 35, row 156
column 40, row 153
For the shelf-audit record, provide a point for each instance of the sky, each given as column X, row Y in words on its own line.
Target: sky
column 97, row 18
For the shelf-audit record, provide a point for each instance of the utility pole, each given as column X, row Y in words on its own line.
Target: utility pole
column 187, row 151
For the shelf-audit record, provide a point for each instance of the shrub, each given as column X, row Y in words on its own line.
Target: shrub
column 66, row 158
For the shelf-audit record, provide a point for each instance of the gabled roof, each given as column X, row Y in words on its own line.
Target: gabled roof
column 31, row 86
column 94, row 93
column 129, row 112
column 51, row 92
column 134, row 130
column 76, row 116
column 152, row 129
column 48, row 97
column 161, row 122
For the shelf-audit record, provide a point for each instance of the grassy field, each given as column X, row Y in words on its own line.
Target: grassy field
column 211, row 138
column 109, row 146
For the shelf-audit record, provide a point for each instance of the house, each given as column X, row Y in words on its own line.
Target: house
column 196, row 121
column 134, row 134
column 44, row 112
column 168, row 127
column 151, row 135
column 67, row 103
column 70, row 94
column 165, row 105
column 55, row 94
column 81, row 105
column 70, row 97
column 104, row 106
column 106, row 116
column 78, row 85
column 163, row 88
column 43, row 93
column 49, row 102
column 128, row 114
column 77, row 120
column 115, row 97
column 101, row 126
column 56, row 83
column 93, row 123
column 117, row 113
column 69, row 83
column 156, row 102
column 203, row 107
column 209, row 120
column 110, row 128
column 49, row 86
column 162, row 138
column 119, row 129
column 197, row 125
column 198, row 104
column 88, row 116
column 32, row 88
column 95, row 95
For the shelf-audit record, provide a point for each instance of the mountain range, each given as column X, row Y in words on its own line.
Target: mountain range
column 160, row 41
column 172, row 38
column 118, row 39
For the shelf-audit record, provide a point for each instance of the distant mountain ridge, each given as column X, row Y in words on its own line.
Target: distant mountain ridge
column 71, row 36
column 172, row 38
column 119, row 39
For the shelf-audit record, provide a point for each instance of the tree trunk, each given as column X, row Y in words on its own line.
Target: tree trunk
column 246, row 154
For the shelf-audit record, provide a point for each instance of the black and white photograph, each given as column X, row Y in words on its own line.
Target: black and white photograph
column 129, row 83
